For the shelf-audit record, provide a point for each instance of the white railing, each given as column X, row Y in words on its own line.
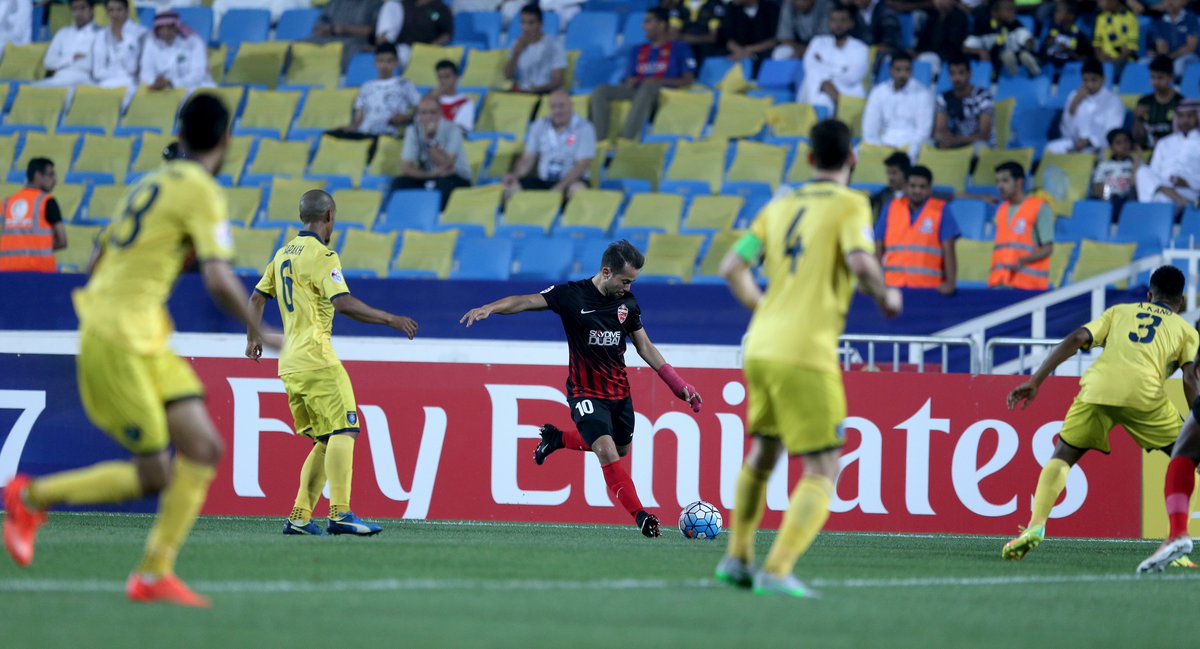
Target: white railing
column 926, row 343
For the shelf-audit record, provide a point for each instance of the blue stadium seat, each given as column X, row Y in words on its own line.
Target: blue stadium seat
column 199, row 20
column 1190, row 85
column 1089, row 220
column 685, row 188
column 296, row 24
column 1031, row 126
column 410, row 209
column 478, row 26
column 360, row 70
column 749, row 211
column 971, row 217
column 244, row 26
column 907, row 31
column 713, row 70
column 1189, row 228
column 1027, row 92
column 550, row 22
column 632, row 32
column 748, row 190
column 592, row 32
column 1135, row 79
column 588, row 254
column 483, row 258
column 779, row 75
column 639, row 237
column 543, row 259
column 146, row 16
column 1146, row 222
column 594, row 70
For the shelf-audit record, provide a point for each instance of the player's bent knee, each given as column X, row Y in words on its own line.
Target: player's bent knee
column 154, row 472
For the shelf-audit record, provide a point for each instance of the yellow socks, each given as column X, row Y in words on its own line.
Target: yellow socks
column 107, row 482
column 806, row 515
column 339, row 468
column 749, row 501
column 1049, row 487
column 178, row 507
column 312, row 481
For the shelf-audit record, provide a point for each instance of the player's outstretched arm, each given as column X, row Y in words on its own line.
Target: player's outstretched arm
column 356, row 309
column 736, row 271
column 254, row 344
column 654, row 358
column 1025, row 393
column 870, row 282
column 510, row 305
column 225, row 289
column 1191, row 382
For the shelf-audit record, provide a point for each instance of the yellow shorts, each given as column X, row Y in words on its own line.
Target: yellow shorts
column 1087, row 425
column 804, row 408
column 322, row 401
column 126, row 394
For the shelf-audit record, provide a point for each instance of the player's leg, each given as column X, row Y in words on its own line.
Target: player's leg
column 554, row 438
column 1178, row 485
column 749, row 502
column 607, row 428
column 312, row 472
column 336, row 420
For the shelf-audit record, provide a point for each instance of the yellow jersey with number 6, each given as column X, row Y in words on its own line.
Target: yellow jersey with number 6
column 1143, row 344
column 164, row 218
column 805, row 237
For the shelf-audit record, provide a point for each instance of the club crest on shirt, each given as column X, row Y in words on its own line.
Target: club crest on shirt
column 927, row 226
column 352, row 418
column 336, row 275
column 622, row 313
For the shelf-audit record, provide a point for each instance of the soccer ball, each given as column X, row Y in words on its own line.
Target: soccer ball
column 700, row 520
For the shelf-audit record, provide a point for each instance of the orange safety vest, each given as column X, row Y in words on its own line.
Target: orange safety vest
column 1014, row 241
column 912, row 256
column 28, row 242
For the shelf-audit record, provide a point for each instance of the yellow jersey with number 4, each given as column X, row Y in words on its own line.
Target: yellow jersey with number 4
column 164, row 218
column 305, row 276
column 805, row 237
column 1143, row 344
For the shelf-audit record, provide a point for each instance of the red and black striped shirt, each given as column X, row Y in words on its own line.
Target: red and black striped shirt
column 596, row 327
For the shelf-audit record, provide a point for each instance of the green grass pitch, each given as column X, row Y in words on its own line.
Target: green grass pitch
column 429, row 584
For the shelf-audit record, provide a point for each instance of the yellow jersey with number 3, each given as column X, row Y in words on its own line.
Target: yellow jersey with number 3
column 164, row 218
column 805, row 237
column 305, row 276
column 1143, row 344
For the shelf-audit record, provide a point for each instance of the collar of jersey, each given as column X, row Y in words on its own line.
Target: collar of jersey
column 308, row 233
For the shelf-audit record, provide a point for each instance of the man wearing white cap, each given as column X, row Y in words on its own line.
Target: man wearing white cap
column 175, row 57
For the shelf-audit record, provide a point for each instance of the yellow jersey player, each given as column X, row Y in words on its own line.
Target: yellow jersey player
column 813, row 244
column 1143, row 344
column 307, row 278
column 131, row 384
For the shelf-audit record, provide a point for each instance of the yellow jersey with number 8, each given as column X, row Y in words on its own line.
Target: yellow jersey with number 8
column 164, row 218
column 1143, row 344
column 805, row 237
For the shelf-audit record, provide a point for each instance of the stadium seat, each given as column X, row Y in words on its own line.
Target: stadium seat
column 653, row 212
column 478, row 26
column 283, row 205
column 1076, row 177
column 424, row 58
column 1189, row 86
column 323, row 110
column 108, row 156
column 1097, row 258
column 739, row 116
column 1089, row 220
column 592, row 70
column 340, row 160
column 70, row 199
column 801, row 170
column 360, row 70
column 1026, row 91
column 1060, row 262
column 104, row 203
column 151, row 111
column 1135, row 79
column 58, row 148
column 1031, row 127
column 314, row 65
column 93, row 110
column 367, row 253
column 485, row 69
column 473, row 207
column 424, row 254
column 638, row 161
column 949, row 166
column 701, row 161
column 974, row 262
column 35, row 107
column 277, row 159
column 542, row 259
column 482, row 258
column 254, row 248
column 410, row 209
column 971, row 217
column 218, row 63
column 713, row 71
column 712, row 214
column 232, row 97
column 1189, row 228
column 681, row 112
column 245, row 203
column 870, row 165
column 757, row 163
column 592, row 209
column 592, row 32
column 537, row 208
column 632, row 33
column 23, row 63
column 268, row 114
column 989, row 159
column 357, row 207
column 386, row 164
column 506, row 112
column 477, row 156
column 1141, row 222
column 671, row 257
column 850, row 110
column 579, row 103
column 779, row 75
column 8, row 151
column 235, row 160
column 199, row 20
column 244, row 26
column 791, row 119
column 81, row 239
column 710, row 264
column 296, row 24
column 1002, row 122
column 257, row 64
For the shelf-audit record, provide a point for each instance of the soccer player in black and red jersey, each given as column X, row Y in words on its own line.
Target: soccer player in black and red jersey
column 597, row 315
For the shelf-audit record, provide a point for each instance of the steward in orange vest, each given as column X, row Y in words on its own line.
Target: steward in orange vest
column 33, row 227
column 1019, row 259
column 917, row 251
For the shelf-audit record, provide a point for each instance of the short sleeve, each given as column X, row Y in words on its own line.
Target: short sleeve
column 558, row 56
column 587, row 142
column 207, row 223
column 1099, row 173
column 1189, row 348
column 557, row 297
column 330, row 281
column 266, row 285
column 360, row 102
column 949, row 230
column 411, row 96
column 409, row 153
column 53, row 212
column 940, row 104
column 857, row 235
column 1099, row 328
column 633, row 321
column 1044, row 226
column 533, row 137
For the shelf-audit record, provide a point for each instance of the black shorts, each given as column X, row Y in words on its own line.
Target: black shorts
column 596, row 418
column 533, row 182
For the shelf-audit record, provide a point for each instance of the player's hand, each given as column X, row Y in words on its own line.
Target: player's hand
column 1023, row 395
column 946, row 288
column 406, row 325
column 475, row 315
column 892, row 304
column 689, row 394
column 272, row 338
column 254, row 349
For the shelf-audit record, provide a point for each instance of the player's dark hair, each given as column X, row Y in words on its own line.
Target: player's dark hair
column 1167, row 282
column 1163, row 65
column 900, row 161
column 830, row 140
column 620, row 254
column 532, row 9
column 203, row 122
column 660, row 14
column 446, row 64
column 1112, row 135
column 901, row 56
column 921, row 172
column 1013, row 168
column 385, row 48
column 958, row 59
column 37, row 166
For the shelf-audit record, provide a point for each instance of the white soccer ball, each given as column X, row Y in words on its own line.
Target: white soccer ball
column 700, row 520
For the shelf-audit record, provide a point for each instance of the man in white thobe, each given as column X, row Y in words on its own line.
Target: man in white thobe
column 835, row 64
column 899, row 113
column 69, row 56
column 1173, row 175
column 174, row 57
column 118, row 50
column 1092, row 111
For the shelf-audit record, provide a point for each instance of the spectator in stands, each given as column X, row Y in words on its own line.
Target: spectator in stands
column 175, row 57
column 896, row 166
column 660, row 63
column 118, row 49
column 964, row 112
column 917, row 235
column 1024, row 234
column 69, row 57
column 834, row 64
column 456, row 107
column 33, row 223
column 1116, row 34
column 899, row 113
column 559, row 148
column 1004, row 41
column 16, row 23
column 1114, row 178
column 1154, row 115
column 942, row 33
column 697, row 23
column 1173, row 175
column 537, row 63
column 877, row 25
column 799, row 22
column 1065, row 41
column 384, row 105
column 426, row 21
column 350, row 22
column 1092, row 111
column 1176, row 35
column 434, row 156
column 749, row 30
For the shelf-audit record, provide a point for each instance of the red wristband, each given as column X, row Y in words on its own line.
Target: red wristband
column 672, row 378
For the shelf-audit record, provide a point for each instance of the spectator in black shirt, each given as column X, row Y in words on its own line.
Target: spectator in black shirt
column 749, row 30
column 876, row 24
column 941, row 35
column 426, row 21
column 1065, row 41
column 697, row 25
column 1154, row 116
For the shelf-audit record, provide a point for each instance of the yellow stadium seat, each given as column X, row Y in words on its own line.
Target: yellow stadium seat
column 713, row 213
column 81, row 241
column 504, row 155
column 95, row 107
column 359, row 206
column 230, row 96
column 1097, row 258
column 532, row 207
column 105, row 202
column 284, row 204
column 477, row 151
column 254, row 248
column 949, row 166
column 37, row 107
column 424, row 57
column 235, row 157
column 681, row 112
column 280, row 159
column 1002, row 124
column 579, row 102
column 473, row 206
column 485, row 69
column 658, row 211
column 337, row 157
column 618, row 113
column 327, row 109
column 850, row 110
column 1078, row 170
column 1060, row 258
column 739, row 116
column 244, row 204
column 427, row 251
column 1130, row 102
column 153, row 109
column 592, row 208
column 791, row 120
column 8, row 149
column 105, row 155
column 23, row 63
column 506, row 112
column 989, row 159
column 315, row 65
column 368, row 251
column 637, row 161
column 217, row 60
column 870, row 167
column 672, row 256
column 60, row 149
column 974, row 260
column 59, row 16
column 801, row 170
column 710, row 266
column 569, row 73
column 258, row 64
column 69, row 198
column 387, row 157
column 759, row 163
column 699, row 161
column 149, row 156
column 270, row 111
